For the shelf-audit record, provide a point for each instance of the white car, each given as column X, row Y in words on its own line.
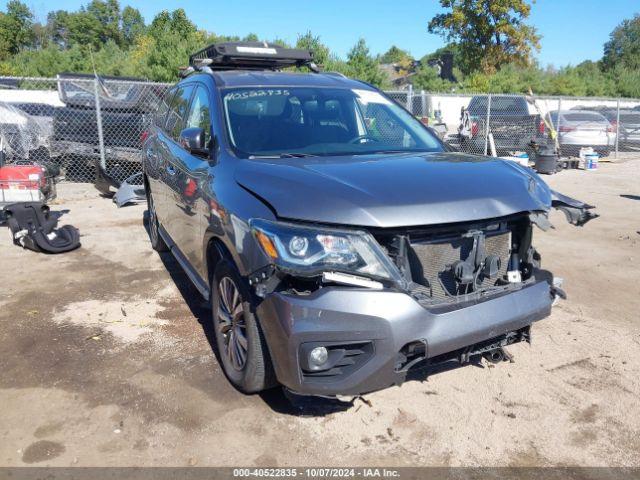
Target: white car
column 583, row 128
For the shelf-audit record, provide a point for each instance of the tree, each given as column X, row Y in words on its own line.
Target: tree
column 132, row 24
column 427, row 78
column 363, row 66
column 627, row 81
column 401, row 58
column 623, row 47
column 107, row 14
column 173, row 37
column 16, row 28
column 312, row 43
column 89, row 27
column 489, row 33
column 395, row 55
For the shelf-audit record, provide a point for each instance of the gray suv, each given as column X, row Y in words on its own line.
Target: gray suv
column 340, row 244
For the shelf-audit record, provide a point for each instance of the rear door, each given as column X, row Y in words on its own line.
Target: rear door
column 169, row 151
column 155, row 158
column 189, row 204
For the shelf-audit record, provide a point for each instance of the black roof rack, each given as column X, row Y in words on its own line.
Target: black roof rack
column 250, row 56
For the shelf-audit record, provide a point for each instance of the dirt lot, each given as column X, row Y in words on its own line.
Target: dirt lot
column 107, row 360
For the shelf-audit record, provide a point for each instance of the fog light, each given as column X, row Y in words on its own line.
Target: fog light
column 318, row 356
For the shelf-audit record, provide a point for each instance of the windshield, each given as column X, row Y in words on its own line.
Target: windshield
column 499, row 105
column 320, row 121
column 584, row 117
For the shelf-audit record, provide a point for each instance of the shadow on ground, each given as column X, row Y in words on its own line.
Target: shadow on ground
column 630, row 197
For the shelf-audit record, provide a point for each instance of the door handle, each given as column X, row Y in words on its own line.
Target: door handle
column 171, row 170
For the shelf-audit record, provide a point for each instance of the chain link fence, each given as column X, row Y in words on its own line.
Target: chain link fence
column 87, row 126
column 82, row 124
column 507, row 124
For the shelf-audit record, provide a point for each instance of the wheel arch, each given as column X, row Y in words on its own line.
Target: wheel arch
column 215, row 250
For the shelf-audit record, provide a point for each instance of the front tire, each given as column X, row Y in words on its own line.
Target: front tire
column 241, row 345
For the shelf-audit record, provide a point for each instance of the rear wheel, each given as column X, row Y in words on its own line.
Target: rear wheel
column 157, row 243
column 241, row 345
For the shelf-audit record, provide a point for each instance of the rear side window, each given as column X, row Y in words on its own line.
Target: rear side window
column 584, row 117
column 178, row 111
column 505, row 105
column 163, row 108
column 630, row 118
column 200, row 113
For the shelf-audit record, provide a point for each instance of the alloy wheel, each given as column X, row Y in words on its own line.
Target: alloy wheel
column 153, row 221
column 231, row 324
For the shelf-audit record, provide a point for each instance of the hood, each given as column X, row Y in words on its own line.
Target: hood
column 394, row 190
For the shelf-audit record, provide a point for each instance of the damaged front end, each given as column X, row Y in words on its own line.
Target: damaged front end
column 578, row 213
column 436, row 265
column 384, row 302
column 458, row 264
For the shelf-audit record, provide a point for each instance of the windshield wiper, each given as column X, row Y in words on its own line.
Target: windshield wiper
column 399, row 151
column 296, row 155
column 284, row 155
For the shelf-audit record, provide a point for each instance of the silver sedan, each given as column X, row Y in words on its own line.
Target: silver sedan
column 583, row 128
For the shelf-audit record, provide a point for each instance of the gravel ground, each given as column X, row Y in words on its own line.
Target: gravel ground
column 107, row 360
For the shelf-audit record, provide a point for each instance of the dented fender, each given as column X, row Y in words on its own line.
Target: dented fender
column 578, row 213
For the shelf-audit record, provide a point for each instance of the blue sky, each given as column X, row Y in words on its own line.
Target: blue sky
column 572, row 30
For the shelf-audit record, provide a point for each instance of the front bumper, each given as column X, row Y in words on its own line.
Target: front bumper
column 383, row 322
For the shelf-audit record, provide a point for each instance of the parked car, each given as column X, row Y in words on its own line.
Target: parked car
column 583, row 128
column 628, row 129
column 125, row 104
column 341, row 246
column 39, row 105
column 21, row 136
column 510, row 121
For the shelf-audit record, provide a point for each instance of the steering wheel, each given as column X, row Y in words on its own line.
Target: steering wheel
column 363, row 137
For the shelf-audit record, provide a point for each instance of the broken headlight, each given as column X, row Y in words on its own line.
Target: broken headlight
column 310, row 251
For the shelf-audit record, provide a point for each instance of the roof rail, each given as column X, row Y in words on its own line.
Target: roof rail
column 335, row 74
column 250, row 56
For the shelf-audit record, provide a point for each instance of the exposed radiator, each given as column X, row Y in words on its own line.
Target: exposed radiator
column 431, row 262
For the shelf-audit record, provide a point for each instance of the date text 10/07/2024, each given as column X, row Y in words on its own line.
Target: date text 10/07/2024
column 337, row 473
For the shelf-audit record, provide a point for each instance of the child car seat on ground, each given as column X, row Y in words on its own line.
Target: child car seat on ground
column 34, row 228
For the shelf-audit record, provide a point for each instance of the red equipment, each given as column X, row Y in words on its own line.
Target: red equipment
column 25, row 182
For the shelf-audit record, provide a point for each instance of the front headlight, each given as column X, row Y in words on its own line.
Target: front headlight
column 310, row 251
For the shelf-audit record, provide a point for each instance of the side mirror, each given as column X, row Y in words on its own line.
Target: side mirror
column 192, row 140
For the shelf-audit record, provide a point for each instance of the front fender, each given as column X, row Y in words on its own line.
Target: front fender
column 578, row 213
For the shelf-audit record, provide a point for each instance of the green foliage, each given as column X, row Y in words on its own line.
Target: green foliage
column 627, row 80
column 623, row 47
column 363, row 66
column 312, row 43
column 118, row 42
column 449, row 48
column 16, row 28
column 173, row 38
column 395, row 55
column 490, row 33
column 427, row 78
column 132, row 25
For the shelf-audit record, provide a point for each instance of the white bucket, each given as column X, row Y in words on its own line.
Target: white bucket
column 584, row 151
column 591, row 161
